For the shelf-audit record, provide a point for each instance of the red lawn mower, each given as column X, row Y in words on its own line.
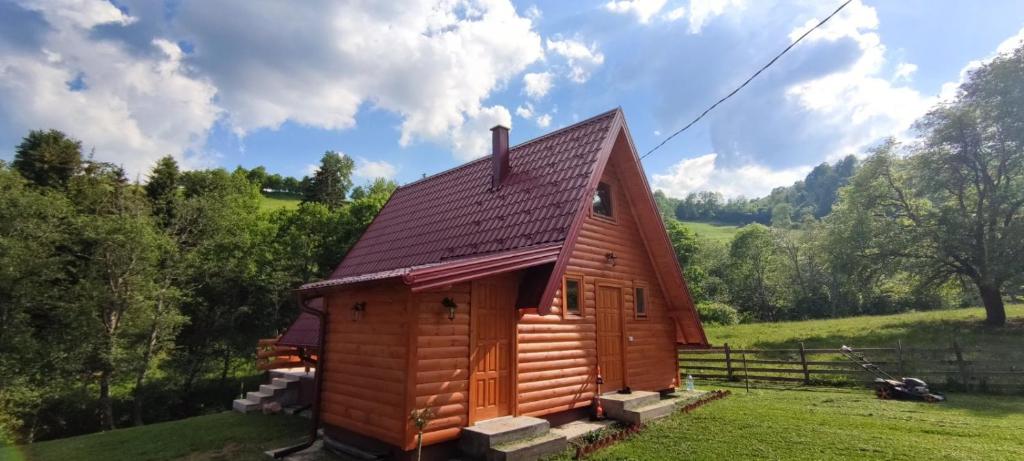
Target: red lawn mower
column 888, row 387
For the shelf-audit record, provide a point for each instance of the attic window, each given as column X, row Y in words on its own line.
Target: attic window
column 603, row 200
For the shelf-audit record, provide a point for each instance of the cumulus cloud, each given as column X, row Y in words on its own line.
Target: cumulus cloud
column 132, row 108
column 525, row 110
column 254, row 65
column 644, row 10
column 703, row 11
column 581, row 59
column 949, row 89
column 544, row 120
column 703, row 174
column 536, row 85
column 370, row 169
column 904, row 72
column 676, row 14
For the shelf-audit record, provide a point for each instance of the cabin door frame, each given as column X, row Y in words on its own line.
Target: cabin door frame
column 504, row 310
column 621, row 286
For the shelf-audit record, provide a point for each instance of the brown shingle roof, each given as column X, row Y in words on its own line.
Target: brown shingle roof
column 455, row 214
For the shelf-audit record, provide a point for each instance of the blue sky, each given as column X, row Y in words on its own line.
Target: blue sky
column 411, row 88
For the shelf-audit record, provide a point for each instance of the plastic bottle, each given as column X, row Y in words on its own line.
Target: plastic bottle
column 689, row 382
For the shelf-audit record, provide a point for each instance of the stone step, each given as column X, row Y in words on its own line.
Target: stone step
column 258, row 397
column 530, row 449
column 245, row 405
column 478, row 439
column 650, row 412
column 284, row 382
column 615, row 405
column 272, row 389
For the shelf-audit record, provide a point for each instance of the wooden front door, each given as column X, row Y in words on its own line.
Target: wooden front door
column 492, row 311
column 609, row 337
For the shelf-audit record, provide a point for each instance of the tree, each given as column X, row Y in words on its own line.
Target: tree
column 162, row 189
column 754, row 273
column 331, row 182
column 48, row 158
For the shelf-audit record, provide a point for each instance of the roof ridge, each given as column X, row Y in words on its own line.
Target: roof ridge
column 529, row 141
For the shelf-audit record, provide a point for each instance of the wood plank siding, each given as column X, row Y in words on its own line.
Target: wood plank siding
column 558, row 352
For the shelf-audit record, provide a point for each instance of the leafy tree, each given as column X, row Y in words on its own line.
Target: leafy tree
column 331, row 182
column 162, row 189
column 48, row 158
column 755, row 284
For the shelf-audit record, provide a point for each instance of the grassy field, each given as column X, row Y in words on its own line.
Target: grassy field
column 721, row 233
column 276, row 200
column 220, row 436
column 825, row 423
column 921, row 329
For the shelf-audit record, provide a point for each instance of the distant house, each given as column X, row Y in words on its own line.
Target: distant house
column 502, row 287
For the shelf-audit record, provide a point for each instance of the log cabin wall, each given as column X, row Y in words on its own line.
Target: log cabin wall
column 557, row 357
column 364, row 386
column 441, row 366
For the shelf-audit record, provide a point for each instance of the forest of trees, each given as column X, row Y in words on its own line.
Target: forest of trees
column 926, row 224
column 126, row 303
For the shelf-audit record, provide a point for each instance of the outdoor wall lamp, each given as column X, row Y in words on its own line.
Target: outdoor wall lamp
column 610, row 258
column 357, row 310
column 450, row 305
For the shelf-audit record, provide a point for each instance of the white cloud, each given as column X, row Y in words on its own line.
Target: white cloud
column 702, row 11
column 949, row 89
column 544, row 120
column 132, row 108
column 702, row 173
column 859, row 98
column 534, row 13
column 525, row 110
column 904, row 72
column 370, row 169
column 582, row 59
column 676, row 14
column 537, row 85
column 644, row 10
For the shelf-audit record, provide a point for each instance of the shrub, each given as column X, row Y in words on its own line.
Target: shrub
column 718, row 313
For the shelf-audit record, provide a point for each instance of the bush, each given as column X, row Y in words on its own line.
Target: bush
column 717, row 313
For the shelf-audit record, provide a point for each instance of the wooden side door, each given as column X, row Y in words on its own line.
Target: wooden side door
column 609, row 337
column 492, row 314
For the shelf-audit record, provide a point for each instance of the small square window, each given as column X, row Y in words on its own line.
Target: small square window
column 603, row 200
column 640, row 300
column 572, row 296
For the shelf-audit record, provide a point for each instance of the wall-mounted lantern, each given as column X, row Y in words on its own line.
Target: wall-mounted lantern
column 449, row 304
column 610, row 258
column 357, row 310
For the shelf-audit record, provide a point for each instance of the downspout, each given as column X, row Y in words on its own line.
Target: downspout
column 318, row 379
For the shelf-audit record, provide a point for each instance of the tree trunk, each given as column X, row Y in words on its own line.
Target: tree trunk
column 140, row 377
column 106, row 406
column 992, row 298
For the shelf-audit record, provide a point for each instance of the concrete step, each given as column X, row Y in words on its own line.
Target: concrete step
column 258, row 397
column 245, row 405
column 272, row 389
column 478, row 439
column 650, row 412
column 284, row 382
column 530, row 449
column 615, row 405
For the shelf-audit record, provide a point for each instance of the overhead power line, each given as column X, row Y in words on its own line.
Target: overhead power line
column 752, row 77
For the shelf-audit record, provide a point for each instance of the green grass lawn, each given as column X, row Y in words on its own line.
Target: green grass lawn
column 921, row 329
column 826, row 423
column 221, row 436
column 721, row 233
column 276, row 200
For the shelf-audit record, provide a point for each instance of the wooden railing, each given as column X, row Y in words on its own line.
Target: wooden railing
column 271, row 356
column 953, row 368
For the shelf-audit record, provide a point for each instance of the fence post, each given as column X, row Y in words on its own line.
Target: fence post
column 964, row 375
column 728, row 362
column 803, row 363
column 746, row 377
column 899, row 358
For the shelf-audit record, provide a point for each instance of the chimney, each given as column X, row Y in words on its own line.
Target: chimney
column 499, row 155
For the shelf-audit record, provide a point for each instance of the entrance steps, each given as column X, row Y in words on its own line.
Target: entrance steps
column 520, row 438
column 640, row 407
column 283, row 389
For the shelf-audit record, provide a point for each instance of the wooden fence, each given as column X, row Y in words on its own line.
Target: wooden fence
column 953, row 368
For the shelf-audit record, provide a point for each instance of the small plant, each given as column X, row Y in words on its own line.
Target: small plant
column 420, row 419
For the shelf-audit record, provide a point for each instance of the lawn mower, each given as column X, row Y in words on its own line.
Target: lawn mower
column 887, row 386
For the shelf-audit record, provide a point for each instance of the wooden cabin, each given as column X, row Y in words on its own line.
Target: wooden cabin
column 502, row 287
